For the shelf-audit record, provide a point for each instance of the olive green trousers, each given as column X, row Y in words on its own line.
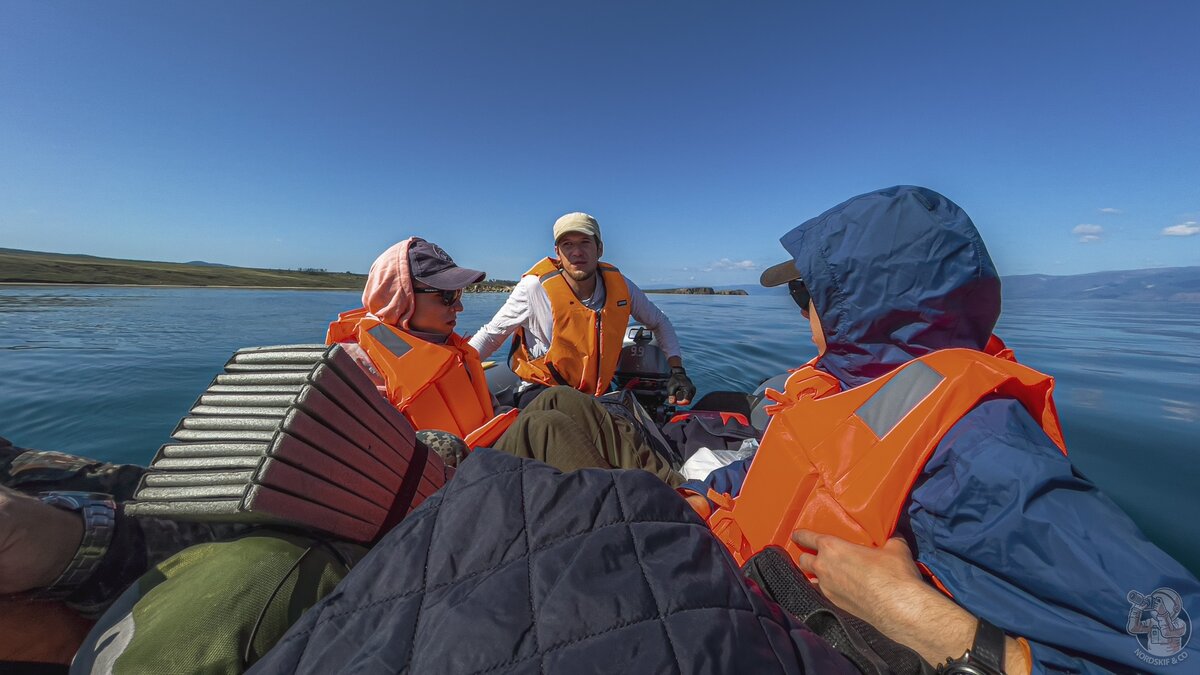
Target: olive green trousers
column 570, row 430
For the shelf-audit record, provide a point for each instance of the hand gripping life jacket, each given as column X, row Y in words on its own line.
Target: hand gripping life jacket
column 435, row 386
column 843, row 462
column 584, row 345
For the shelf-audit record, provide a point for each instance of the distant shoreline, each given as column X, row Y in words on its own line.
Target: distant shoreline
column 56, row 269
column 35, row 268
column 75, row 284
column 695, row 290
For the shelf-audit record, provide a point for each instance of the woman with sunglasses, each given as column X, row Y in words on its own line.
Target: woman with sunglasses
column 403, row 337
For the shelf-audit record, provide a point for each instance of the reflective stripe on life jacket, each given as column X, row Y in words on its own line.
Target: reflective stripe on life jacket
column 584, row 344
column 843, row 462
column 435, row 386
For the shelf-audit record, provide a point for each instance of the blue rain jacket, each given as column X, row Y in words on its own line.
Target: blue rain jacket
column 998, row 514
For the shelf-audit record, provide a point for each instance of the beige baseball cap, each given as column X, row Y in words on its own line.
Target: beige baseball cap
column 779, row 274
column 577, row 222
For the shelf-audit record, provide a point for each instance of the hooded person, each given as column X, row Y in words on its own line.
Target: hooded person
column 403, row 337
column 914, row 433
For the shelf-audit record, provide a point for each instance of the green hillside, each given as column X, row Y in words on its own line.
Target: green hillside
column 32, row 267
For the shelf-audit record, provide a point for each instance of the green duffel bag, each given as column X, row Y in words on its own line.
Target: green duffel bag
column 216, row 607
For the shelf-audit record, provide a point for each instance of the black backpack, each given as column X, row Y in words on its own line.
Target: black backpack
column 861, row 643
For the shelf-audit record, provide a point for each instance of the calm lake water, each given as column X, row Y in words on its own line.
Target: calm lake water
column 108, row 372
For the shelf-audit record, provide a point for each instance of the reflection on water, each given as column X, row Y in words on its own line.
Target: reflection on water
column 45, row 344
column 1184, row 411
column 49, row 300
column 107, row 372
column 1086, row 398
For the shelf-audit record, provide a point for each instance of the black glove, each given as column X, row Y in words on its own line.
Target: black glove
column 680, row 389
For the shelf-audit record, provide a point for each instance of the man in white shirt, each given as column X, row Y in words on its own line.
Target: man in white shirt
column 570, row 314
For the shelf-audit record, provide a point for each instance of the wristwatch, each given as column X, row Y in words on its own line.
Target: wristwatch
column 99, row 518
column 985, row 657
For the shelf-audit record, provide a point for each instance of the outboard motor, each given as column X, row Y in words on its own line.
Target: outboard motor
column 643, row 369
column 502, row 381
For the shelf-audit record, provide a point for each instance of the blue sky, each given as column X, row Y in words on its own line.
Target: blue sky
column 306, row 134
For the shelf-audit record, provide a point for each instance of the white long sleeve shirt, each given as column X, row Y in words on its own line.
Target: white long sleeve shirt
column 529, row 306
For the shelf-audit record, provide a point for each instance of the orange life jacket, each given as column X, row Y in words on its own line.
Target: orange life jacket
column 584, row 344
column 843, row 462
column 435, row 386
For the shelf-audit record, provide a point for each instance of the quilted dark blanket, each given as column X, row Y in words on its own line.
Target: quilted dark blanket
column 514, row 567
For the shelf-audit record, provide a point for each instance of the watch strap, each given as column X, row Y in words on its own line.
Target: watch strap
column 988, row 648
column 99, row 522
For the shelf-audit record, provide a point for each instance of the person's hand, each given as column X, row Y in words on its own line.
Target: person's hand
column 680, row 389
column 861, row 580
column 883, row 587
column 699, row 504
column 37, row 541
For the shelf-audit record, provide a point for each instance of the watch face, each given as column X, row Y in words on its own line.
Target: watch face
column 962, row 668
column 967, row 666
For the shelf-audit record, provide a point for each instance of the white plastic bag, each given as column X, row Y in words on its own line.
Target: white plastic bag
column 706, row 460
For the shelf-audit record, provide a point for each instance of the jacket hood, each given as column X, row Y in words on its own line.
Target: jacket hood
column 895, row 274
column 388, row 294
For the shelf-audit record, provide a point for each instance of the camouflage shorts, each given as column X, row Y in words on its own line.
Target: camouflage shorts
column 33, row 471
column 449, row 447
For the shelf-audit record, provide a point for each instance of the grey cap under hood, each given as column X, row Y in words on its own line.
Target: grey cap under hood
column 895, row 274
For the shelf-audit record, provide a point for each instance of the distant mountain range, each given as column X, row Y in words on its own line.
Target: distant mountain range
column 1174, row 284
column 1162, row 284
column 201, row 263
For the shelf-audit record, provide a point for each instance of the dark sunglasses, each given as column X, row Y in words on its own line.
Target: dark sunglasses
column 448, row 297
column 800, row 294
